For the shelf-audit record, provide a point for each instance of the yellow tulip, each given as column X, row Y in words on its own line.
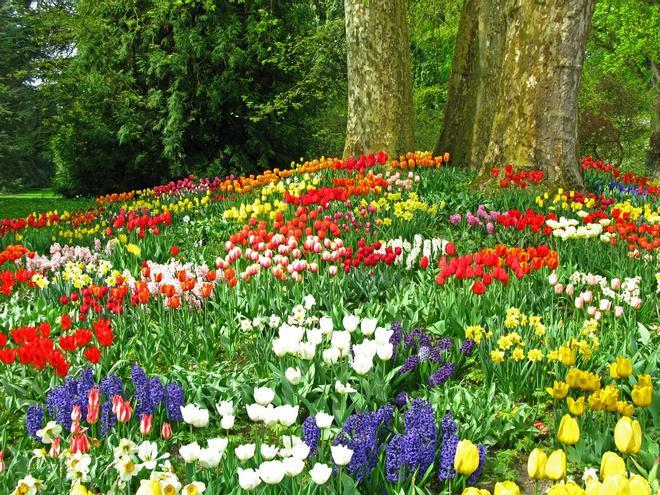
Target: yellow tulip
column 615, row 485
column 506, row 488
column 536, row 464
column 644, row 381
column 573, row 488
column 594, row 487
column 558, row 489
column 642, row 396
column 149, row 487
column 79, row 489
column 559, row 390
column 628, row 435
column 638, row 485
column 567, row 356
column 473, row 490
column 466, row 460
column 611, row 463
column 576, row 407
column 621, row 368
column 624, row 408
column 569, row 431
column 555, row 468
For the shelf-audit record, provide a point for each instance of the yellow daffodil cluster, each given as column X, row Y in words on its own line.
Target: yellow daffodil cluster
column 40, row 281
column 406, row 208
column 81, row 275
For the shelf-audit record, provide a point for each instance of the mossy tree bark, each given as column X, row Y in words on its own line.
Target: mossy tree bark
column 380, row 113
column 514, row 86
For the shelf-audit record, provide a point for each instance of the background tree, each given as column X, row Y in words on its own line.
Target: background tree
column 380, row 113
column 620, row 97
column 514, row 86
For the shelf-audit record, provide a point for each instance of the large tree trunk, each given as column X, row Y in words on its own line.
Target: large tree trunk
column 380, row 114
column 514, row 86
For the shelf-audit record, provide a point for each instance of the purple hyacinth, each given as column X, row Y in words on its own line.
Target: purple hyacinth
column 311, row 434
column 143, row 402
column 421, row 419
column 455, row 218
column 443, row 374
column 174, row 401
column 409, row 364
column 112, row 385
column 482, row 461
column 34, row 420
column 394, row 459
column 414, row 451
column 156, row 392
column 362, row 433
column 424, row 354
column 448, row 448
column 467, row 347
column 108, row 419
column 59, row 402
column 401, row 399
column 445, row 344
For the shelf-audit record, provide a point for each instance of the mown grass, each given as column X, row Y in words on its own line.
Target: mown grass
column 40, row 200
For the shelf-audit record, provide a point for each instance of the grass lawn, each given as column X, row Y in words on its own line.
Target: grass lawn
column 40, row 200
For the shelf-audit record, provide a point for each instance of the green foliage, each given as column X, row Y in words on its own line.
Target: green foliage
column 163, row 89
column 618, row 99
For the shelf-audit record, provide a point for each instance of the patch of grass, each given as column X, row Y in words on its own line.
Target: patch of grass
column 40, row 200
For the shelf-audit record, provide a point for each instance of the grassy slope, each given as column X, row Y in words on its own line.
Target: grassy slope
column 41, row 200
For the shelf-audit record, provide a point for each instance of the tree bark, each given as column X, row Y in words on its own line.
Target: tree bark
column 514, row 86
column 653, row 155
column 380, row 114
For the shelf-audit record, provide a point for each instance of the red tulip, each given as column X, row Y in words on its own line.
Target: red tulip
column 478, row 287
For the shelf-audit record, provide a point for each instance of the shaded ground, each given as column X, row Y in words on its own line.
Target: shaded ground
column 41, row 200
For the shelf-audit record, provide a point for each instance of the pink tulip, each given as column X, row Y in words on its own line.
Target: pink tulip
column 166, row 431
column 553, row 279
column 559, row 288
column 55, row 448
column 146, row 424
column 618, row 311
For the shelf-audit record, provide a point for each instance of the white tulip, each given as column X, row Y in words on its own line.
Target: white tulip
column 306, row 350
column 270, row 415
column 341, row 454
column 271, row 472
column 309, row 301
column 350, row 323
column 190, row 452
column 314, row 336
column 195, row 415
column 293, row 466
column 245, row 452
column 325, row 325
column 263, row 395
column 341, row 340
column 323, row 420
column 330, row 356
column 385, row 351
column 293, row 375
column 268, row 452
column 287, row 414
column 219, row 444
column 300, row 450
column 248, row 479
column 227, row 422
column 225, row 408
column 368, row 326
column 209, row 458
column 383, row 335
column 362, row 364
column 320, row 473
column 255, row 412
